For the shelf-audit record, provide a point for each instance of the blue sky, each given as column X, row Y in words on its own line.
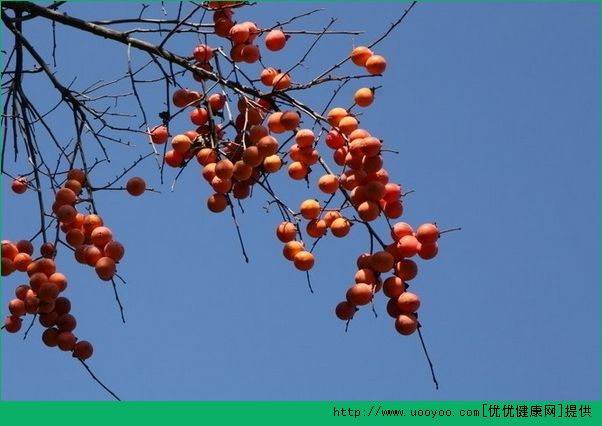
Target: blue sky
column 495, row 112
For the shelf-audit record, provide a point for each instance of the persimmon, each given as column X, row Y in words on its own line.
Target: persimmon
column 92, row 254
column 23, row 246
column 44, row 265
column 272, row 163
column 105, row 268
column 360, row 294
column 241, row 190
column 250, row 53
column 345, row 310
column 62, row 305
column 74, row 186
column 66, row 213
column 242, row 171
column 330, row 216
column 406, row 269
column 406, row 324
column 291, row 248
column 392, row 192
column 91, row 222
column 173, row 158
column 267, row 76
column 274, row 123
column 427, row 233
column 101, row 235
column 267, row 146
column 83, row 350
column 208, row 172
column 19, row 185
column 239, row 34
column 335, row 115
column 290, row 120
column 66, row 322
column 340, row 227
column 66, row 340
column 181, row 98
column 364, row 97
column 236, row 52
column 407, row 246
column 425, row 250
column 297, row 170
column 159, row 135
column 382, row 261
column 305, row 138
column 206, row 156
column 36, row 280
column 365, row 275
column 59, row 279
column 217, row 203
column 286, row 231
column 281, row 81
column 21, row 261
column 223, row 26
column 65, row 196
column 32, row 303
column 221, row 186
column 46, row 307
column 310, row 209
column 316, row 228
column 309, row 156
column 304, row 260
column 16, row 307
column 181, row 143
column 12, row 324
column 256, row 133
column 21, row 291
column 275, row 40
column 329, row 184
column 392, row 308
column 115, row 250
column 376, row 64
column 393, row 286
column 401, row 229
column 347, row 124
column 48, row 291
column 224, row 169
column 202, row 53
column 360, row 55
column 50, row 337
column 77, row 174
column 368, row 211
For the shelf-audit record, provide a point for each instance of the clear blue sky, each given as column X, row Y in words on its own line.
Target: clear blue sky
column 495, row 110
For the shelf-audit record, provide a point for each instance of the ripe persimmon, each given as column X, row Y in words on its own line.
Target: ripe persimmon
column 173, row 158
column 50, row 337
column 65, row 196
column 105, row 268
column 340, row 227
column 365, row 275
column 66, row 213
column 286, row 231
column 101, row 235
column 217, row 203
column 224, row 169
column 304, row 260
column 407, row 246
column 272, row 163
column 250, row 53
column 393, row 286
column 281, row 81
column 267, row 145
column 347, row 124
column 360, row 55
column 316, row 228
column 92, row 254
column 21, row 261
column 181, row 143
column 267, row 76
column 382, row 261
column 291, row 248
column 425, row 250
column 329, row 184
column 66, row 340
column 23, row 246
column 360, row 294
column 335, row 115
column 59, row 279
column 427, row 233
column 401, row 229
column 202, row 53
column 16, row 307
column 136, row 186
column 406, row 269
column 406, row 324
column 48, row 291
column 310, row 209
column 83, row 350
column 115, row 250
column 62, row 305
column 364, row 97
column 19, row 185
column 12, row 324
column 290, row 120
column 159, row 135
column 345, row 310
column 376, row 64
column 368, row 211
column 275, row 40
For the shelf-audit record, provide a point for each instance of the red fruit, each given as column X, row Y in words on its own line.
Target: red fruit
column 159, row 135
column 275, row 40
column 202, row 53
column 105, row 268
column 286, row 231
column 16, row 307
column 8, row 267
column 12, row 324
column 114, row 250
column 83, row 350
column 428, row 250
column 19, row 185
column 406, row 269
column 62, row 305
column 407, row 246
column 50, row 337
column 376, row 64
column 66, row 340
column 360, row 294
column 345, row 310
column 136, row 186
column 427, row 233
column 66, row 322
column 408, row 302
column 393, row 287
column 406, row 324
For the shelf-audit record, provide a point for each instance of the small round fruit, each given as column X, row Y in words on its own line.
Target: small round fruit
column 136, row 186
column 19, row 185
column 376, row 64
column 105, row 268
column 304, row 260
column 345, row 310
column 406, row 324
column 408, row 302
column 83, row 350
